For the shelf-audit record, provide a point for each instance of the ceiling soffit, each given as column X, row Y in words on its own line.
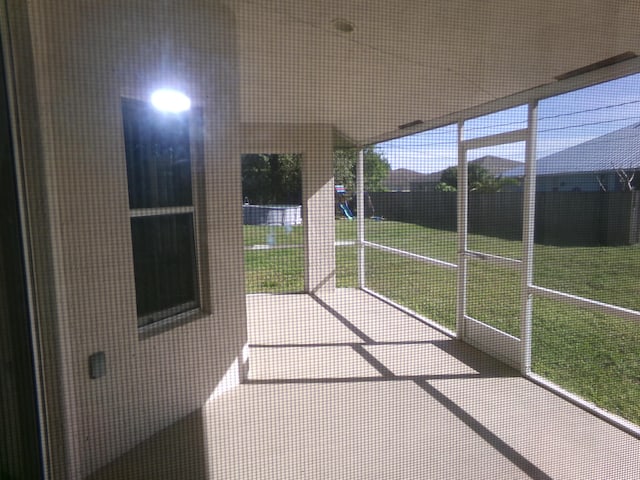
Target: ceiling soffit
column 413, row 59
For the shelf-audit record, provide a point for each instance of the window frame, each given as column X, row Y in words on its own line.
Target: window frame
column 175, row 315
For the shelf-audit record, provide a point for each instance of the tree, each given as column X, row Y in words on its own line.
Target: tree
column 376, row 169
column 626, row 174
column 626, row 177
column 255, row 178
column 291, row 177
column 479, row 180
column 344, row 168
column 445, row 187
column 448, row 180
column 269, row 179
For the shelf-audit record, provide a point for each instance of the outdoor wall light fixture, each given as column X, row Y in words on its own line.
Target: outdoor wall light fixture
column 172, row 101
column 343, row 26
column 410, row 124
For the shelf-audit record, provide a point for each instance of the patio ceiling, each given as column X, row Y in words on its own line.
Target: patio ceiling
column 413, row 59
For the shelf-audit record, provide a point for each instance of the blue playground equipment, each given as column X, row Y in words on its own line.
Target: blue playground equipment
column 347, row 212
column 341, row 192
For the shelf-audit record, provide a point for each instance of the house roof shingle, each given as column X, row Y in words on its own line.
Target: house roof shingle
column 619, row 149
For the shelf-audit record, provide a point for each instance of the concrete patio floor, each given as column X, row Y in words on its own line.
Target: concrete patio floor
column 346, row 386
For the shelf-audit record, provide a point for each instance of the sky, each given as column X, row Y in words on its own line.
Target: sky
column 563, row 121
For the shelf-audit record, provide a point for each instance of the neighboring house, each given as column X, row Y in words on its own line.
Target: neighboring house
column 402, row 179
column 496, row 166
column 427, row 183
column 591, row 166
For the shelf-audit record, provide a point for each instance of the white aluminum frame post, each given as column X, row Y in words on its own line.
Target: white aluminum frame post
column 360, row 216
column 528, row 230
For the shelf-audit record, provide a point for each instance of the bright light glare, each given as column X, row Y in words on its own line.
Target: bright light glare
column 168, row 100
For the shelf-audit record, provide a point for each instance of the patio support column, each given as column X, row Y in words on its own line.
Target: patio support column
column 528, row 228
column 318, row 210
column 360, row 217
column 463, row 205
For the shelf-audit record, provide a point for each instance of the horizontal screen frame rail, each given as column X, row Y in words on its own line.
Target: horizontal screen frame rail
column 414, row 256
column 474, row 255
column 578, row 301
column 505, row 138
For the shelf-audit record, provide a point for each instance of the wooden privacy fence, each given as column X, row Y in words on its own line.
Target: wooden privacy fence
column 562, row 218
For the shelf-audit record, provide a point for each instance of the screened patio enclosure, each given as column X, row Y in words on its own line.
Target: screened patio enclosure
column 510, row 347
column 133, row 241
column 475, row 280
column 485, row 293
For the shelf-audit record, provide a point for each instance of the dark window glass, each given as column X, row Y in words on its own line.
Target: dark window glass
column 158, row 157
column 164, row 265
column 157, row 148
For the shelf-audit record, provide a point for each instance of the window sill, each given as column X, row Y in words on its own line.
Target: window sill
column 169, row 323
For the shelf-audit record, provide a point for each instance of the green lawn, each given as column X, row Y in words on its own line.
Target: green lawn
column 594, row 355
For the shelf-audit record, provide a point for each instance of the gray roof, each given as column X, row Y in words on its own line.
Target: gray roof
column 495, row 166
column 402, row 178
column 616, row 150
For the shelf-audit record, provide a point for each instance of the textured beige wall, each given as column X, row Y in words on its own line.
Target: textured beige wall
column 315, row 142
column 318, row 210
column 86, row 56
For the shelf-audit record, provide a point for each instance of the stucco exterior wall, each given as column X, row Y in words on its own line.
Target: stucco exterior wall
column 85, row 57
column 587, row 182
